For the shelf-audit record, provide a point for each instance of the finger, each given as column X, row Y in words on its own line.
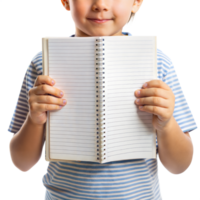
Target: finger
column 46, row 99
column 152, row 92
column 45, row 107
column 49, row 90
column 154, row 101
column 42, row 79
column 153, row 110
column 156, row 84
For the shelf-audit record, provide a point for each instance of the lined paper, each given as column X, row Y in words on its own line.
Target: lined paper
column 72, row 129
column 129, row 63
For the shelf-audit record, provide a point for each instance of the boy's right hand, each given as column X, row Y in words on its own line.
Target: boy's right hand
column 40, row 102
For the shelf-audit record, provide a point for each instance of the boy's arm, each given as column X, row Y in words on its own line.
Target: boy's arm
column 175, row 148
column 26, row 145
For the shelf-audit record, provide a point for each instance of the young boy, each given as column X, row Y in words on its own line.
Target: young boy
column 127, row 179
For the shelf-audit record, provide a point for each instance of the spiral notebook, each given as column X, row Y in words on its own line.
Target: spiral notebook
column 100, row 122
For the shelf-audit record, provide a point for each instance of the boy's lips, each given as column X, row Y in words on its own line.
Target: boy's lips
column 100, row 21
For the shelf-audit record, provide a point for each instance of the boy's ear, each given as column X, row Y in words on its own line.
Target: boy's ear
column 65, row 3
column 136, row 5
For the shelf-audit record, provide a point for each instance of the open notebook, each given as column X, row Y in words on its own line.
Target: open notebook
column 99, row 75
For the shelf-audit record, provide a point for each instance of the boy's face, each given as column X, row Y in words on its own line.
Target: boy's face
column 101, row 17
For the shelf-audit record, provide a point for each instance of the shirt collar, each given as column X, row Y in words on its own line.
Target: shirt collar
column 129, row 33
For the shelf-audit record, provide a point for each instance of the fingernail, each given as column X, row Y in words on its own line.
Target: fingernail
column 145, row 85
column 64, row 101
column 137, row 100
column 138, row 92
column 61, row 93
column 52, row 82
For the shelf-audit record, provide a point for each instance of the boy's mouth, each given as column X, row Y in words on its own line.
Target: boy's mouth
column 99, row 21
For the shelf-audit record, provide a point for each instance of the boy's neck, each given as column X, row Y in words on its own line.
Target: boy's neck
column 75, row 34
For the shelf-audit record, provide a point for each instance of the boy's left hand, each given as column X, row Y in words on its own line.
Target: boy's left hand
column 157, row 98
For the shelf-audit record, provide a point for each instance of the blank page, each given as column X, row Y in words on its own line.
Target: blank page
column 129, row 63
column 72, row 129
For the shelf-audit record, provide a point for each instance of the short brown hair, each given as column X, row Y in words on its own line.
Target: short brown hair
column 131, row 17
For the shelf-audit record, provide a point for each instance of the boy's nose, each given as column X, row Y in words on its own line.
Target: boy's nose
column 100, row 5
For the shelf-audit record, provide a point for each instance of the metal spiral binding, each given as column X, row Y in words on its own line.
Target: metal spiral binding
column 100, row 99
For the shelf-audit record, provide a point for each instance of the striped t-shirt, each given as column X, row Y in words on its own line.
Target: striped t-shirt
column 127, row 179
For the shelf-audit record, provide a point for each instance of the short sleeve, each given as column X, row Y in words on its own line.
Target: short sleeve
column 22, row 108
column 167, row 73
